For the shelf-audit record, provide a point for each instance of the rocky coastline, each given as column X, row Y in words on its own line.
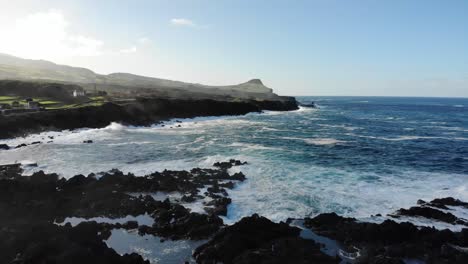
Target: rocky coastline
column 141, row 112
column 34, row 209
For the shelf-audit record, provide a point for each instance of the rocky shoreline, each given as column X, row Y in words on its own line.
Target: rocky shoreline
column 141, row 112
column 34, row 209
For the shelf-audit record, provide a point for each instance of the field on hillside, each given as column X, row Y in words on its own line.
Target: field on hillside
column 50, row 104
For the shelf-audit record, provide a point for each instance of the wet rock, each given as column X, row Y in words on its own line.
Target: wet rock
column 256, row 239
column 390, row 242
column 44, row 198
column 36, row 142
column 130, row 225
column 4, row 147
column 188, row 199
column 449, row 201
column 87, row 141
column 286, row 250
column 20, row 146
column 177, row 222
column 10, row 171
column 48, row 243
column 219, row 206
column 229, row 164
column 430, row 213
column 215, row 189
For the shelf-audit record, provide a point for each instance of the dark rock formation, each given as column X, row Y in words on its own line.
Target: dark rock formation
column 449, row 201
column 20, row 146
column 229, row 164
column 256, row 239
column 436, row 209
column 141, row 112
column 391, row 242
column 176, row 222
column 4, row 147
column 30, row 206
column 49, row 243
column 429, row 213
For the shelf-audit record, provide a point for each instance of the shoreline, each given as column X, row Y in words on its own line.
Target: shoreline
column 143, row 112
column 126, row 200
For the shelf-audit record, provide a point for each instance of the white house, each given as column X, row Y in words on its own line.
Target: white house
column 77, row 93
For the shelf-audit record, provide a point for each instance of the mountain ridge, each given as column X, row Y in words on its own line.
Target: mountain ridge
column 12, row 67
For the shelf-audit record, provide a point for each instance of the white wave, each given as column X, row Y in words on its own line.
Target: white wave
column 249, row 146
column 305, row 109
column 317, row 141
column 323, row 141
column 299, row 190
column 115, row 126
column 459, row 106
column 348, row 128
column 132, row 143
column 403, row 138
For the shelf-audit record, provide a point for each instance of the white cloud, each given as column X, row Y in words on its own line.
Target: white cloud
column 132, row 49
column 46, row 35
column 183, row 22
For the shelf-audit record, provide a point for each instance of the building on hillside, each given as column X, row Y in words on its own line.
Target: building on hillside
column 78, row 93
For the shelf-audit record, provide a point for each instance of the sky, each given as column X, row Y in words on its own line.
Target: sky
column 315, row 47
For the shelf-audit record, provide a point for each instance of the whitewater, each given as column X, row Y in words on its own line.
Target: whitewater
column 354, row 156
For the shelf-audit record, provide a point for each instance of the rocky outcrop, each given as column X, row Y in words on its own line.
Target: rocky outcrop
column 4, row 147
column 31, row 205
column 256, row 239
column 142, row 112
column 391, row 242
column 49, row 243
column 437, row 209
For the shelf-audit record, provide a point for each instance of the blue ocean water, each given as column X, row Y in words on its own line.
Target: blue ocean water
column 355, row 156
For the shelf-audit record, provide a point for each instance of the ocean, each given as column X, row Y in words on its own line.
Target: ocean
column 356, row 156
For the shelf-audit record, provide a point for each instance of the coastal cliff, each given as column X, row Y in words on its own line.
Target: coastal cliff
column 139, row 113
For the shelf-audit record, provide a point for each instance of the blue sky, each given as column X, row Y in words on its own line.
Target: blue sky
column 321, row 47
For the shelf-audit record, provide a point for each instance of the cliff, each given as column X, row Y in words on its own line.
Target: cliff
column 141, row 113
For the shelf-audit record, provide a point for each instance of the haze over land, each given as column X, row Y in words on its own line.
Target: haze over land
column 403, row 48
column 14, row 68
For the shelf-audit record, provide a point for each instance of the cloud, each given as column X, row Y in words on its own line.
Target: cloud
column 143, row 40
column 132, row 49
column 183, row 22
column 46, row 35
